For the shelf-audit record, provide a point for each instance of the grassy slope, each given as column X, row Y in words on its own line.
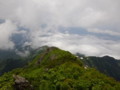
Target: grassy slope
column 55, row 69
column 106, row 65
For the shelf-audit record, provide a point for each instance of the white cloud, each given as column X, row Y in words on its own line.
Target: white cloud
column 22, row 53
column 33, row 13
column 44, row 17
column 89, row 45
column 6, row 31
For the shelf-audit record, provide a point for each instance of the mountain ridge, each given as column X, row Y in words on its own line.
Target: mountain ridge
column 106, row 64
column 56, row 69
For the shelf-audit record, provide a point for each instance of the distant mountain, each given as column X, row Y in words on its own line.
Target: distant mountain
column 10, row 60
column 107, row 65
column 55, row 69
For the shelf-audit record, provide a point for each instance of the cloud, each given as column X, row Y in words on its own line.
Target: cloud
column 104, row 31
column 6, row 30
column 22, row 53
column 43, row 18
column 89, row 45
column 79, row 13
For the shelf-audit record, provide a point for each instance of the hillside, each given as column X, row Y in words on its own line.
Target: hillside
column 10, row 60
column 55, row 69
column 107, row 65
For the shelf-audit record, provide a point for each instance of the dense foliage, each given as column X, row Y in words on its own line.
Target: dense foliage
column 55, row 69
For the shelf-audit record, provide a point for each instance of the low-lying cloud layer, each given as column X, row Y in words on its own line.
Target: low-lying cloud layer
column 54, row 23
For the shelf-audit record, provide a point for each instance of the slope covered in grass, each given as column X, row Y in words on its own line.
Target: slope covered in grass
column 56, row 69
column 107, row 65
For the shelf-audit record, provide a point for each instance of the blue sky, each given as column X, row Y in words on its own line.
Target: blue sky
column 84, row 32
column 91, row 27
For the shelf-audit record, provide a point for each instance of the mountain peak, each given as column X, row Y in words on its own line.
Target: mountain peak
column 108, row 57
column 54, row 56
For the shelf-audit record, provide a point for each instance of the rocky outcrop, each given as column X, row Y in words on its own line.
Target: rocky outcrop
column 21, row 83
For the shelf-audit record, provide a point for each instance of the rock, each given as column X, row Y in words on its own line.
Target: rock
column 21, row 83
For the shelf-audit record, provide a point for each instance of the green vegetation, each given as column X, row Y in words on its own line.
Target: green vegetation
column 55, row 69
column 9, row 60
column 106, row 65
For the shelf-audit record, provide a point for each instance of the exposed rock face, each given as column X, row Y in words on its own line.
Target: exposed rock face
column 21, row 83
